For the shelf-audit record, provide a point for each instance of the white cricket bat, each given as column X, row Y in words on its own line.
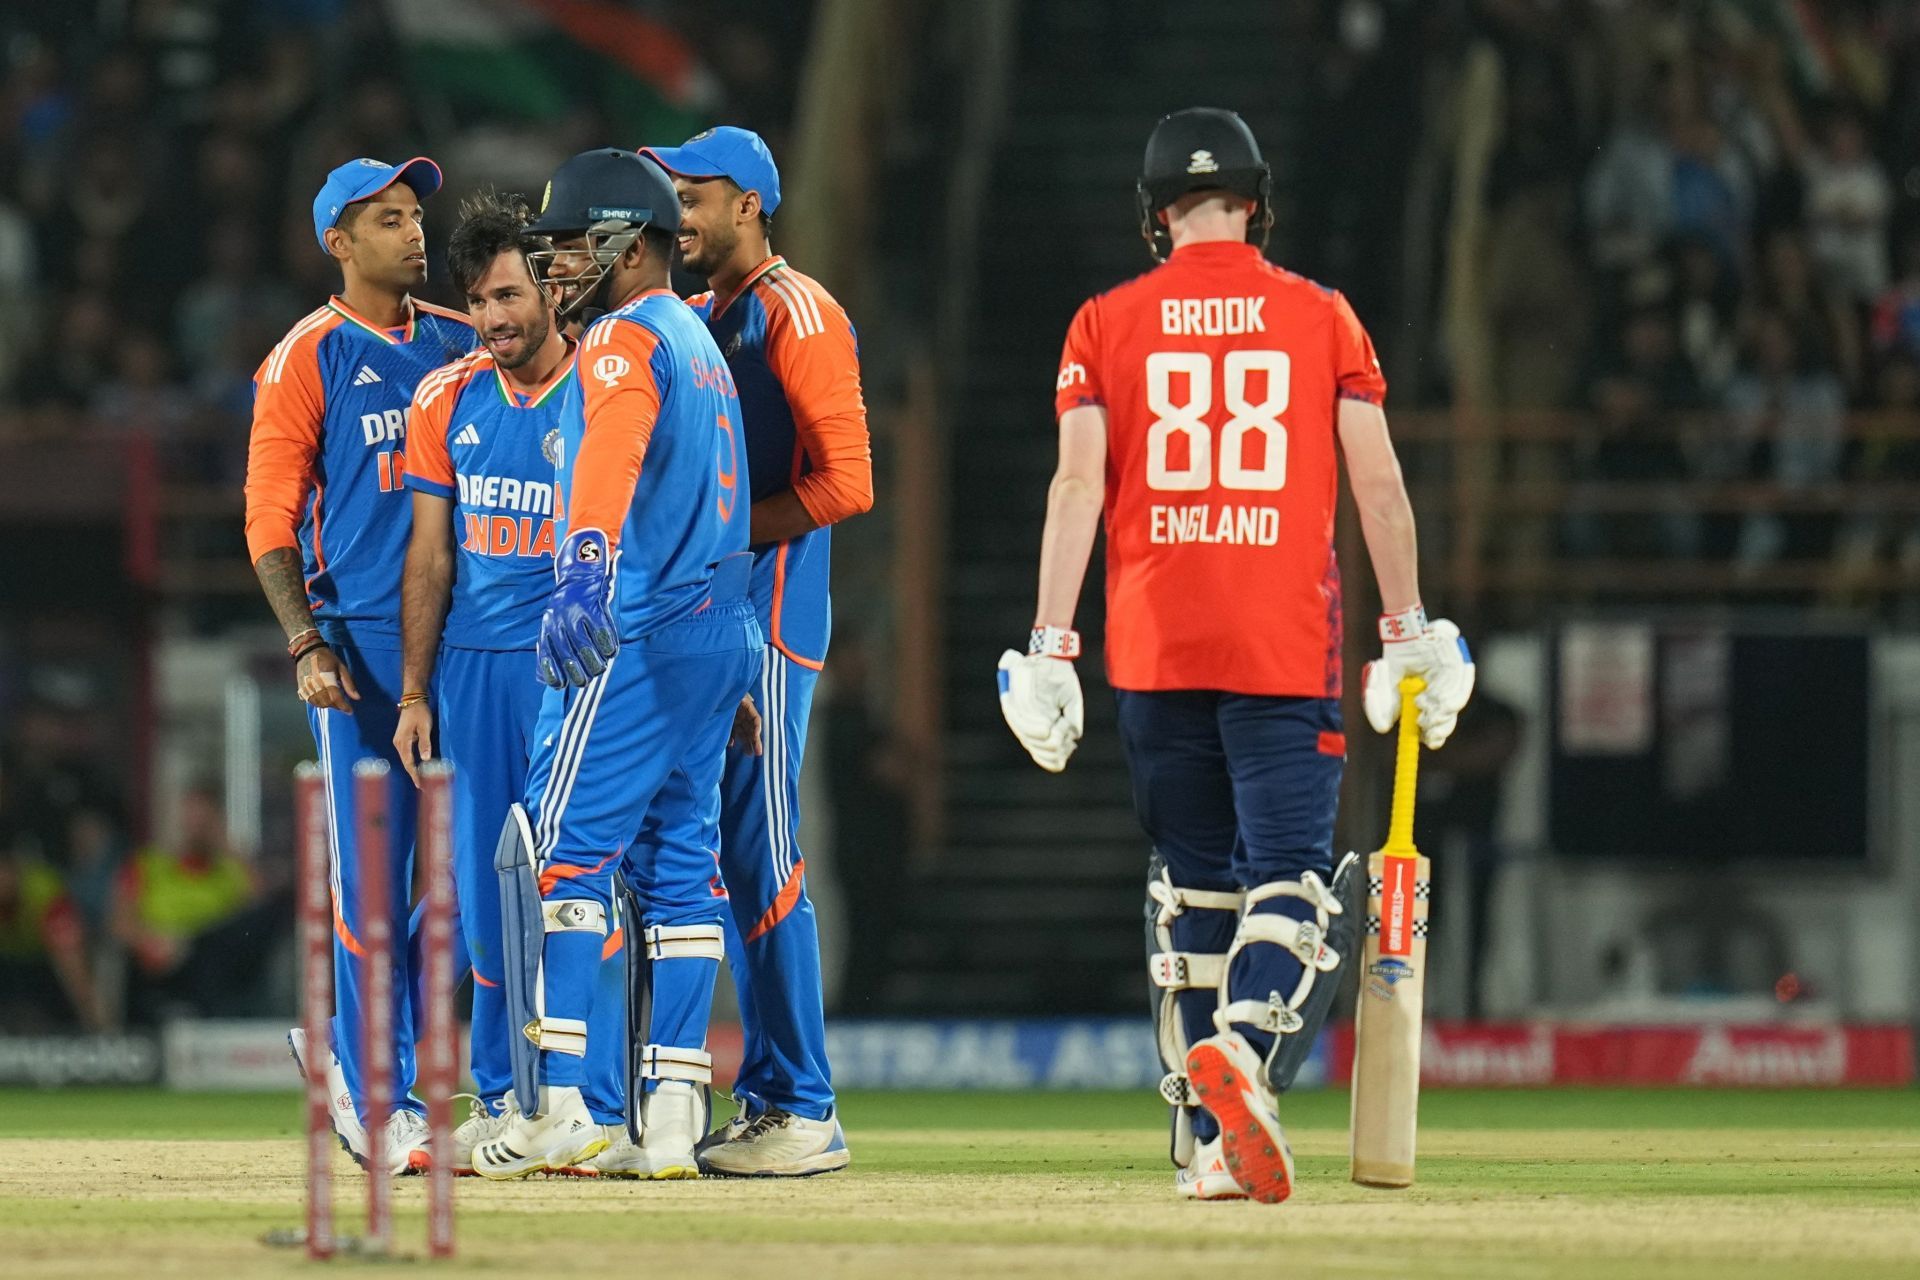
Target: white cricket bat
column 1393, row 982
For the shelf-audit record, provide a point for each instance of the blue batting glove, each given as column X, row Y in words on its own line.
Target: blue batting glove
column 577, row 635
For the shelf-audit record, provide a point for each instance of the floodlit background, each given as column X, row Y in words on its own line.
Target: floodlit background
column 1645, row 278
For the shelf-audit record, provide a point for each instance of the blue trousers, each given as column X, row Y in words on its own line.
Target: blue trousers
column 650, row 731
column 773, row 946
column 344, row 740
column 488, row 704
column 1235, row 791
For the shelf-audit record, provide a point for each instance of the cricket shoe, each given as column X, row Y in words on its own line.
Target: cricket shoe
column 346, row 1121
column 409, row 1148
column 779, row 1144
column 594, row 1166
column 1208, row 1177
column 561, row 1136
column 1231, row 1082
column 482, row 1124
column 672, row 1119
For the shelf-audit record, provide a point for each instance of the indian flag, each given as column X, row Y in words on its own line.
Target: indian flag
column 536, row 61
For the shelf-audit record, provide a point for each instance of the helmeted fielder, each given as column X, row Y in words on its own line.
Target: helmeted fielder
column 649, row 644
column 1199, row 407
column 796, row 361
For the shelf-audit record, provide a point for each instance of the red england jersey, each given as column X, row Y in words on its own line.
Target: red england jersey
column 1221, row 375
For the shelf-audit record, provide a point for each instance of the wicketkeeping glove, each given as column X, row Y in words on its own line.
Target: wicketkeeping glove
column 577, row 634
column 1040, row 697
column 1434, row 651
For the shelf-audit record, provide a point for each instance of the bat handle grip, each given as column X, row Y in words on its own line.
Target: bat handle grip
column 1406, row 770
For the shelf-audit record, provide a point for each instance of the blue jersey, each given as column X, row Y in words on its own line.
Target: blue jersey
column 326, row 466
column 479, row 441
column 796, row 361
column 649, row 454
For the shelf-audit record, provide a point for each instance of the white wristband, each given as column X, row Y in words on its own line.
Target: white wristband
column 1053, row 642
column 1408, row 624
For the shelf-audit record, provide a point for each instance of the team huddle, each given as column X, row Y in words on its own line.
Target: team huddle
column 596, row 582
column 575, row 542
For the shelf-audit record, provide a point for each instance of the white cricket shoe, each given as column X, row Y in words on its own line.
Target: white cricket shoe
column 672, row 1119
column 1208, row 1177
column 481, row 1125
column 779, row 1144
column 1231, row 1082
column 594, row 1166
column 562, row 1135
column 346, row 1121
column 408, row 1143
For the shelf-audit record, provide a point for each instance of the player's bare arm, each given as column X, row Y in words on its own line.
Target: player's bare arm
column 1380, row 495
column 426, row 587
column 1074, row 500
column 319, row 675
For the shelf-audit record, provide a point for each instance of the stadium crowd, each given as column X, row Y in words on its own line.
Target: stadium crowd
column 1707, row 220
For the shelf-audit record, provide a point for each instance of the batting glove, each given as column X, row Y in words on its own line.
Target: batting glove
column 1434, row 651
column 1040, row 697
column 577, row 635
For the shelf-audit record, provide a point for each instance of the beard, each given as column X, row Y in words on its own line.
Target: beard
column 710, row 249
column 532, row 338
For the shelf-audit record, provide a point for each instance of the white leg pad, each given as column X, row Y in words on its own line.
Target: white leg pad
column 685, row 942
column 574, row 915
column 669, row 1062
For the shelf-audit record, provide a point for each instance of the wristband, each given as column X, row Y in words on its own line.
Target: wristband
column 1053, row 642
column 296, row 643
column 1408, row 624
column 318, row 642
column 409, row 699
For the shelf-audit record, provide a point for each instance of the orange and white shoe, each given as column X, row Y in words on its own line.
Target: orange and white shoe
column 1208, row 1177
column 1227, row 1076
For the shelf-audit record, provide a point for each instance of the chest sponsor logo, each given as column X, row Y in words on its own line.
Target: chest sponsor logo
column 611, row 368
column 366, row 377
column 502, row 533
column 468, row 434
column 1072, row 374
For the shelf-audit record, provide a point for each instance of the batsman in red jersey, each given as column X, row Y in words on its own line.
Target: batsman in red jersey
column 1203, row 408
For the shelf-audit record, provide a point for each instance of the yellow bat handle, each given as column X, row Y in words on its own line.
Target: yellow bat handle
column 1406, row 770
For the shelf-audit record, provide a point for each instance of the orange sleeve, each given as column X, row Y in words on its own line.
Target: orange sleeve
column 287, row 407
column 429, row 465
column 621, row 400
column 1078, row 382
column 812, row 351
column 1356, row 368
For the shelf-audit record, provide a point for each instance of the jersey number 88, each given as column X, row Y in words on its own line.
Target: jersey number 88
column 1189, row 420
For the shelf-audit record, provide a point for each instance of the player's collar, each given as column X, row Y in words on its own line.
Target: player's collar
column 1217, row 249
column 518, row 399
column 770, row 264
column 347, row 313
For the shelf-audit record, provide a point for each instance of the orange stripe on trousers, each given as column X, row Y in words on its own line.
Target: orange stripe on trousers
column 783, row 904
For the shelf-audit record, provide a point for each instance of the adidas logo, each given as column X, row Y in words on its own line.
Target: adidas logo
column 366, row 376
column 467, row 435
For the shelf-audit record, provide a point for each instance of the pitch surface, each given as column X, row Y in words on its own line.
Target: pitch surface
column 1568, row 1184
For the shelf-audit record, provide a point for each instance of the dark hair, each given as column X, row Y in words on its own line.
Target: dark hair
column 659, row 242
column 490, row 224
column 766, row 219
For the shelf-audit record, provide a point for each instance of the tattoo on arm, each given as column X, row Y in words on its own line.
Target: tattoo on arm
column 425, row 587
column 286, row 590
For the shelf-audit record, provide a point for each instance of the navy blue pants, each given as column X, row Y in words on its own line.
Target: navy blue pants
column 1235, row 791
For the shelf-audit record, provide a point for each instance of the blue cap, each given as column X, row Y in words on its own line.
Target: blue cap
column 358, row 179
column 726, row 152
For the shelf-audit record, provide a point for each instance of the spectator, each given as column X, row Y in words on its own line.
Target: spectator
column 44, row 979
column 142, row 395
column 192, row 921
column 1788, row 418
column 1848, row 205
column 1896, row 314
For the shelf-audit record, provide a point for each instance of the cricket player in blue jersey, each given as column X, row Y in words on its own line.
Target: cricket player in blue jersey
column 796, row 362
column 327, row 523
column 649, row 642
column 479, row 567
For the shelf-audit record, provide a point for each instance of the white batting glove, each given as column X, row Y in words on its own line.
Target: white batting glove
column 1434, row 651
column 1040, row 697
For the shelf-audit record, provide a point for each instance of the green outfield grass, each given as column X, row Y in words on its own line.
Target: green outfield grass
column 1512, row 1183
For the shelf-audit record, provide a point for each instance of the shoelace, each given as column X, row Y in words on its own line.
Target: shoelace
column 763, row 1124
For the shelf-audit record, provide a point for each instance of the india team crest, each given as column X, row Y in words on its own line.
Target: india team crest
column 553, row 448
column 546, row 197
